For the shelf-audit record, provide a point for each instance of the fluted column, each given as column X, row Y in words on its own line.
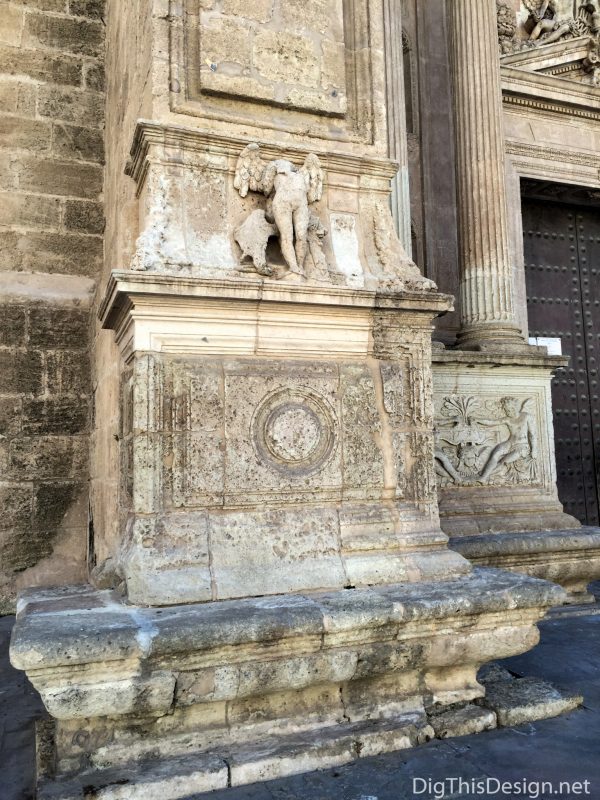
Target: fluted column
column 486, row 290
column 396, row 118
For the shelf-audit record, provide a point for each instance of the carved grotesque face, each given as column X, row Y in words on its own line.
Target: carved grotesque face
column 510, row 406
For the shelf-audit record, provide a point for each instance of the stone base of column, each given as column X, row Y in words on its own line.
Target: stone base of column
column 495, row 338
column 169, row 702
column 495, row 467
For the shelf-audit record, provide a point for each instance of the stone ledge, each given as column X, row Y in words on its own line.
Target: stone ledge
column 584, row 539
column 527, row 699
column 528, row 356
column 53, row 626
column 570, row 557
column 127, row 684
column 124, row 288
column 174, row 778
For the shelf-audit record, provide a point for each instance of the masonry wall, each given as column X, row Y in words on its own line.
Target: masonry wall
column 51, row 246
column 129, row 49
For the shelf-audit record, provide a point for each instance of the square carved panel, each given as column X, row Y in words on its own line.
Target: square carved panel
column 305, row 58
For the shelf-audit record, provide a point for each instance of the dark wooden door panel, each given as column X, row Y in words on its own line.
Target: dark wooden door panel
column 562, row 247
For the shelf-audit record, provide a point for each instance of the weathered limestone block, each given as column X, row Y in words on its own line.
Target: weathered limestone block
column 527, row 700
column 260, row 688
column 496, row 473
column 251, row 466
column 217, row 206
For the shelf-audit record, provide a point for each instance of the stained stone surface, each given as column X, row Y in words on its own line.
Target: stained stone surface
column 569, row 557
column 272, row 439
column 561, row 748
column 528, row 699
column 462, row 720
column 271, row 686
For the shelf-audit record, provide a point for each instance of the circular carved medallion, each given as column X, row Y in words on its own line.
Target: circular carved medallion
column 293, row 431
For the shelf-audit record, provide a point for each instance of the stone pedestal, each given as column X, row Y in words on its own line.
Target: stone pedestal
column 495, row 451
column 270, row 568
column 496, row 472
column 274, row 438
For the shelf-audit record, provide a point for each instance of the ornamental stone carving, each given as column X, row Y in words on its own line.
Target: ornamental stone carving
column 550, row 23
column 507, row 27
column 294, row 430
column 544, row 22
column 394, row 265
column 289, row 191
column 486, row 442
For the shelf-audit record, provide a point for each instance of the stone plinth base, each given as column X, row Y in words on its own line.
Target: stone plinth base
column 494, row 453
column 496, row 470
column 309, row 680
column 274, row 438
column 569, row 557
column 492, row 510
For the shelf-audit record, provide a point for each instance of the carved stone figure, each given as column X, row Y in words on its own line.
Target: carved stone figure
column 290, row 191
column 591, row 64
column 492, row 443
column 549, row 26
column 253, row 236
column 547, row 22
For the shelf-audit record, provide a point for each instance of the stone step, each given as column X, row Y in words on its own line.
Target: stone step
column 276, row 757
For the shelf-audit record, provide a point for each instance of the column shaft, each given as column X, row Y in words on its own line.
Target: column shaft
column 486, row 290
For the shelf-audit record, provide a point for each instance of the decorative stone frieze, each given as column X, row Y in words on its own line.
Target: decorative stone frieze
column 492, row 442
column 219, row 216
column 495, row 461
column 495, row 468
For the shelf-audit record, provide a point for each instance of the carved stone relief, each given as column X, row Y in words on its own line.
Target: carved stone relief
column 490, row 441
column 543, row 22
column 289, row 192
column 422, row 477
column 507, row 27
column 393, row 264
column 294, row 430
column 244, row 433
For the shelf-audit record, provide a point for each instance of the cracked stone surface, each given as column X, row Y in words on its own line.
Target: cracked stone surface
column 528, row 699
column 462, row 721
column 562, row 748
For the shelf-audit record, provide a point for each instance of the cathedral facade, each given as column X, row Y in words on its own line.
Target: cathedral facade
column 304, row 431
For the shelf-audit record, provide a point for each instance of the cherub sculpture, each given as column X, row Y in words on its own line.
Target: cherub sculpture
column 290, row 191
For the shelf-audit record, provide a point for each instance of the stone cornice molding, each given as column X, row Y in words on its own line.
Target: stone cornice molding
column 193, row 140
column 577, row 158
column 239, row 317
column 122, row 285
column 549, row 93
column 550, row 55
column 492, row 360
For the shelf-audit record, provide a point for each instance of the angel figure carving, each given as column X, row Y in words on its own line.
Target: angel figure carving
column 290, row 192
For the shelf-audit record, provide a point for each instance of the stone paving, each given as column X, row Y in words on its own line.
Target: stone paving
column 566, row 748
